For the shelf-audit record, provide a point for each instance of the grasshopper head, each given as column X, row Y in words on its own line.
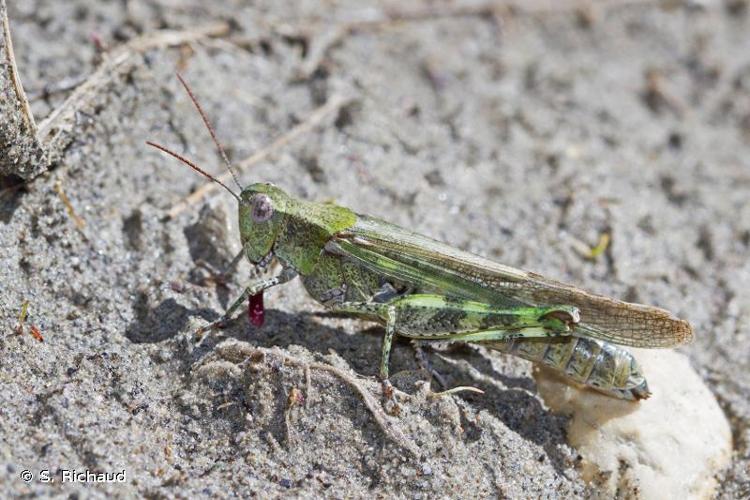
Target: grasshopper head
column 262, row 212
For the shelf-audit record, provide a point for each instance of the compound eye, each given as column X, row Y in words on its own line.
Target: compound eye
column 262, row 208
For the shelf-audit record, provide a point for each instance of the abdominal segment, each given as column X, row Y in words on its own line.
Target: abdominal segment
column 605, row 367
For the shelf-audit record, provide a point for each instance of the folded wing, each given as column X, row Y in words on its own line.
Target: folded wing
column 407, row 256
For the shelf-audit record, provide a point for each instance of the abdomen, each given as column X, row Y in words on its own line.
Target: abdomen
column 597, row 364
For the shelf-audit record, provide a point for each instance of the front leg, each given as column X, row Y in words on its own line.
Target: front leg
column 221, row 276
column 253, row 289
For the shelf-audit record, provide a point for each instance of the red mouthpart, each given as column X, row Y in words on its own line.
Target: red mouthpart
column 255, row 311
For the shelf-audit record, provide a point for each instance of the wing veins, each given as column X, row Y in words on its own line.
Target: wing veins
column 476, row 278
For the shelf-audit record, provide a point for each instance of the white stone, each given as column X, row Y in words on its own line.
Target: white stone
column 671, row 445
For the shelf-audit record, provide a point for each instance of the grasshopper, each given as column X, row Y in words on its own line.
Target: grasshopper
column 423, row 289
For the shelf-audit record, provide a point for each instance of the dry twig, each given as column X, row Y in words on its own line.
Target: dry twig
column 245, row 353
column 22, row 152
column 295, row 399
column 55, row 130
column 77, row 220
column 329, row 37
column 373, row 405
column 57, row 87
column 31, row 149
column 11, row 61
column 454, row 390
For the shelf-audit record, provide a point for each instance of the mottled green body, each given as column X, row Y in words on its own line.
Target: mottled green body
column 421, row 288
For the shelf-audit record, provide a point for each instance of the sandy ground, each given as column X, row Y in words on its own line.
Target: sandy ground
column 521, row 135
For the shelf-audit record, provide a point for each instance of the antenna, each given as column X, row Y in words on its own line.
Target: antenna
column 193, row 166
column 210, row 130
